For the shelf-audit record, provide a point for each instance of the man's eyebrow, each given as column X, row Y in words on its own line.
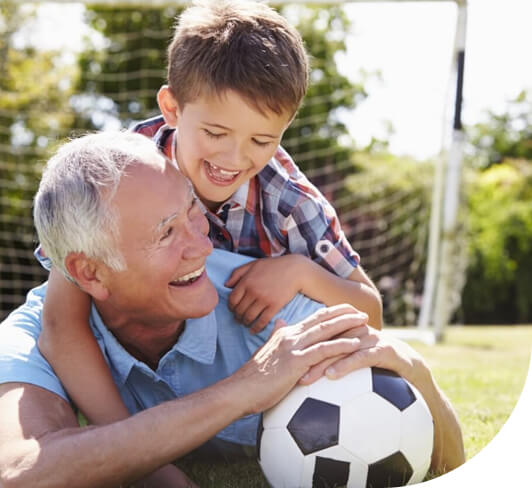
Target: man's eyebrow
column 223, row 127
column 164, row 222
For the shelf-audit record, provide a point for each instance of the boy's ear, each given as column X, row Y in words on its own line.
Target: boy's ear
column 168, row 106
column 88, row 274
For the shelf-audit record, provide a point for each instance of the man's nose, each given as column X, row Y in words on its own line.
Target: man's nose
column 198, row 243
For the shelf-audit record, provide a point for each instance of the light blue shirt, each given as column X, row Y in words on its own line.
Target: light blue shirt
column 209, row 349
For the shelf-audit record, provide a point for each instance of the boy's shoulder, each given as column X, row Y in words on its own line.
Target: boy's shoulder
column 150, row 127
column 282, row 180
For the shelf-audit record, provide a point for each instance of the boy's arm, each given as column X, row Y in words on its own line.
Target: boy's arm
column 262, row 287
column 70, row 347
column 357, row 290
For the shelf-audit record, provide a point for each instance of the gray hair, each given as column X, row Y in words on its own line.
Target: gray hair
column 72, row 210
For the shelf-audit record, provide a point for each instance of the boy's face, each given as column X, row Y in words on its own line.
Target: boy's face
column 222, row 142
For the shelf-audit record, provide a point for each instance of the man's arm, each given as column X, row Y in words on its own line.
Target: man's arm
column 41, row 445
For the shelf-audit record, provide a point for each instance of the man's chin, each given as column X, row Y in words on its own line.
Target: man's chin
column 205, row 306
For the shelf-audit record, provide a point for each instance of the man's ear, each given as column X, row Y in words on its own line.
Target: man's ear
column 88, row 274
column 168, row 106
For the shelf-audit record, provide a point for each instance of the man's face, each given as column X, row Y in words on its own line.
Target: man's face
column 163, row 238
column 224, row 141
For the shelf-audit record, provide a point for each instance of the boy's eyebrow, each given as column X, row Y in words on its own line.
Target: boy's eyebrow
column 223, row 127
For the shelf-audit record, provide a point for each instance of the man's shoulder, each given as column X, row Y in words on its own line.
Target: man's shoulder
column 20, row 358
column 28, row 312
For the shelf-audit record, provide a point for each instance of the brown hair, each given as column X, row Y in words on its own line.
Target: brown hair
column 243, row 46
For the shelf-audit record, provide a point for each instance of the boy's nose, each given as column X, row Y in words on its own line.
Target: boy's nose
column 237, row 155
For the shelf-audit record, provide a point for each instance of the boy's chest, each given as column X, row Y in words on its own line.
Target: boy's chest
column 253, row 234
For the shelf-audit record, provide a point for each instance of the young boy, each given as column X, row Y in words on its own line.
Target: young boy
column 237, row 73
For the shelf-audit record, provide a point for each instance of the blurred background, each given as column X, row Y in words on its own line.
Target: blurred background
column 371, row 134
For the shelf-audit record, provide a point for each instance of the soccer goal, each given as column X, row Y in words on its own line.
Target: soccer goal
column 69, row 67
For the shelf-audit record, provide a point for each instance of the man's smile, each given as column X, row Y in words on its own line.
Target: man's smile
column 189, row 278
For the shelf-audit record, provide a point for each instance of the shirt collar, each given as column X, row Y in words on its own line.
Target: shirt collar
column 197, row 342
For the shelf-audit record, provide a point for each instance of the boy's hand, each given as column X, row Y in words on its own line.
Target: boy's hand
column 262, row 287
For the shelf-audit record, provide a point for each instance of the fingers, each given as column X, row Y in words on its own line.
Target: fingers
column 369, row 353
column 237, row 274
column 323, row 351
column 279, row 323
column 263, row 320
column 328, row 313
column 330, row 323
column 252, row 313
column 318, row 370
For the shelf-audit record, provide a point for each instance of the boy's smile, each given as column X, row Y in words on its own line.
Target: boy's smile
column 222, row 141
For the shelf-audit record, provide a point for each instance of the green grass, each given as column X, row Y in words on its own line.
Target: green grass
column 481, row 369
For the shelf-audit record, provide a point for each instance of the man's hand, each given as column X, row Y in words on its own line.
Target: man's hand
column 293, row 350
column 376, row 349
column 262, row 287
column 379, row 349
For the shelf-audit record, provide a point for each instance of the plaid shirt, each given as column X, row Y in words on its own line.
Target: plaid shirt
column 278, row 211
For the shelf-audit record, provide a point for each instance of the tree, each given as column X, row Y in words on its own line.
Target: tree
column 506, row 135
column 34, row 111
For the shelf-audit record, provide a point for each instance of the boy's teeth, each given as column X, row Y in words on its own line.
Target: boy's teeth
column 223, row 173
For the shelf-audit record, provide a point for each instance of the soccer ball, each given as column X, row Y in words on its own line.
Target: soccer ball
column 369, row 429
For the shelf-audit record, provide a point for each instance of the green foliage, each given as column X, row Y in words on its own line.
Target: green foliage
column 506, row 135
column 35, row 87
column 499, row 279
column 315, row 133
column 120, row 78
column 386, row 214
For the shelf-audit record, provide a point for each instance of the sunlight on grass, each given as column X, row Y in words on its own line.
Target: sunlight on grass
column 481, row 369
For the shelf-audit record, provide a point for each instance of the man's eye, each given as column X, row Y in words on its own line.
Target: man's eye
column 167, row 233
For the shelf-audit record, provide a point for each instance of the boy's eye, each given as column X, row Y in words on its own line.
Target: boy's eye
column 213, row 134
column 261, row 143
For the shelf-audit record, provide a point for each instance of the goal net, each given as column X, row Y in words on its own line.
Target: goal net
column 69, row 67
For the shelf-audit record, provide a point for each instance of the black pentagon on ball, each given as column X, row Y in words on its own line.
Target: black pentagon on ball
column 315, row 425
column 394, row 470
column 329, row 473
column 392, row 387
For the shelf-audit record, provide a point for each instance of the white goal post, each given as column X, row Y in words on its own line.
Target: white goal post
column 439, row 298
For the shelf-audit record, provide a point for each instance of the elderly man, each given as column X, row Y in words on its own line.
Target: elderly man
column 179, row 359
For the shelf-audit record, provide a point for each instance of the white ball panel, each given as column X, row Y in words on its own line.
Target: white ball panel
column 372, row 430
column 282, row 413
column 420, row 473
column 280, row 459
column 344, row 389
column 417, row 436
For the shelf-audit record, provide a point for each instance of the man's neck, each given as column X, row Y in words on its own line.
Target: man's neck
column 147, row 342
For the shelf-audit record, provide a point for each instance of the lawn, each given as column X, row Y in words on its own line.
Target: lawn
column 481, row 369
